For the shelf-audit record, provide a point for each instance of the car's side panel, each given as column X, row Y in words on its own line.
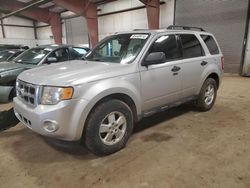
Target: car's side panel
column 210, row 69
column 128, row 85
column 159, row 85
column 5, row 93
column 99, row 90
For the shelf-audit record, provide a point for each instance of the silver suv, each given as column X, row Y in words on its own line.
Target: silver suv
column 126, row 77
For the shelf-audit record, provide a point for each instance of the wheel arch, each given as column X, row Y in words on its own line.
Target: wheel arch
column 210, row 74
column 215, row 76
column 119, row 96
column 97, row 93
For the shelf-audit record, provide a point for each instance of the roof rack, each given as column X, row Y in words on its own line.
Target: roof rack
column 184, row 27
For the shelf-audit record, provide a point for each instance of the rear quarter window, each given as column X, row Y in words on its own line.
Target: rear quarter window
column 191, row 46
column 211, row 44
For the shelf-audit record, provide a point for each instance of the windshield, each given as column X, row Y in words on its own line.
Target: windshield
column 4, row 55
column 32, row 56
column 122, row 48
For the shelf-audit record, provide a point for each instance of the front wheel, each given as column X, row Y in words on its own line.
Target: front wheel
column 207, row 95
column 108, row 127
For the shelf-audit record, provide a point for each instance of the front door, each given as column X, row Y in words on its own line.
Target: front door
column 161, row 83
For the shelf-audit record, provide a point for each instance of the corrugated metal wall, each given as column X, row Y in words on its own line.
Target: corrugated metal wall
column 76, row 31
column 226, row 19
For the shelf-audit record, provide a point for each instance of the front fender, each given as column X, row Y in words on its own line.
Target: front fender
column 5, row 93
column 96, row 91
column 102, row 89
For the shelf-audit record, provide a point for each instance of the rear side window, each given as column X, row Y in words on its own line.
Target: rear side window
column 168, row 45
column 191, row 46
column 211, row 44
column 78, row 53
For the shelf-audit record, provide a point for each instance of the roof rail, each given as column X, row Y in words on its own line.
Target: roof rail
column 184, row 27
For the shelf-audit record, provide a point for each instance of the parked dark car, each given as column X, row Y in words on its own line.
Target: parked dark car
column 9, row 55
column 38, row 56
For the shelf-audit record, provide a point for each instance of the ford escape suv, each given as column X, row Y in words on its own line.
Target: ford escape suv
column 126, row 77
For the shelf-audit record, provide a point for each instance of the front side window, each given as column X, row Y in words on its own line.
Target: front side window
column 32, row 56
column 122, row 48
column 61, row 54
column 211, row 44
column 168, row 45
column 191, row 46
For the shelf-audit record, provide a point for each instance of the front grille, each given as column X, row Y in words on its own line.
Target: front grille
column 24, row 120
column 27, row 92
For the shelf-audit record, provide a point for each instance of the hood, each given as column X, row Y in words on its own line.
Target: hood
column 74, row 73
column 9, row 66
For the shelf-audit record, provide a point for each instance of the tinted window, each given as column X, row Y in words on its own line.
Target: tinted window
column 168, row 45
column 77, row 53
column 4, row 55
column 211, row 44
column 32, row 56
column 191, row 46
column 61, row 54
column 15, row 55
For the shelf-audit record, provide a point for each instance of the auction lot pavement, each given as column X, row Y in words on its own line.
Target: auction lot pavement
column 177, row 148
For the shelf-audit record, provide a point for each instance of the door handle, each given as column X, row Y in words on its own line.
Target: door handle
column 203, row 63
column 175, row 69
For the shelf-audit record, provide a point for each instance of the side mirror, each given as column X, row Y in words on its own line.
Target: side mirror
column 154, row 58
column 52, row 60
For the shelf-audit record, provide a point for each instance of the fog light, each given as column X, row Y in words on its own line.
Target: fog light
column 50, row 126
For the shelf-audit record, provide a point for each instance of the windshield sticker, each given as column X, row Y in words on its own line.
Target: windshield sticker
column 139, row 36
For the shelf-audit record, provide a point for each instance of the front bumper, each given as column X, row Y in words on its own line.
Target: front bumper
column 67, row 114
column 5, row 93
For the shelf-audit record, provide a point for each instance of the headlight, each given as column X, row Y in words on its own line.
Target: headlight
column 53, row 95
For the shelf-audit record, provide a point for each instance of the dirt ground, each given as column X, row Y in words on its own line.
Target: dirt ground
column 178, row 148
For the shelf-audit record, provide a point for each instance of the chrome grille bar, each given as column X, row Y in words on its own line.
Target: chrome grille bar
column 27, row 92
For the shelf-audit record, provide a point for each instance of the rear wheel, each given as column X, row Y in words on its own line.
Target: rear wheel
column 207, row 95
column 108, row 127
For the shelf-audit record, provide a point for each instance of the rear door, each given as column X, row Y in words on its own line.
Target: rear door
column 214, row 54
column 193, row 63
column 161, row 83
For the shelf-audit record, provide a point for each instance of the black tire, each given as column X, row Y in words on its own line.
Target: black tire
column 92, row 137
column 12, row 94
column 201, row 104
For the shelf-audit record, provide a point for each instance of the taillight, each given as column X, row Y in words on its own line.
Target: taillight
column 222, row 62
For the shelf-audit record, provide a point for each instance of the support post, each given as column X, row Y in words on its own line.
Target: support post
column 35, row 29
column 92, row 23
column 2, row 27
column 86, row 9
column 56, row 28
column 153, row 13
